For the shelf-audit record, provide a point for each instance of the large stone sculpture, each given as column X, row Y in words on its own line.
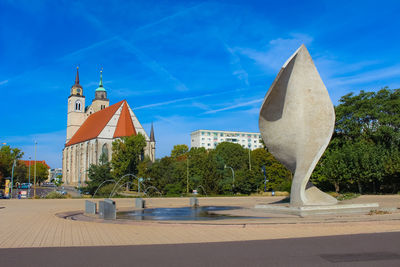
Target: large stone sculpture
column 296, row 122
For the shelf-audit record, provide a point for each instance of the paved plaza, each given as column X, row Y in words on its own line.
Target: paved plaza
column 37, row 223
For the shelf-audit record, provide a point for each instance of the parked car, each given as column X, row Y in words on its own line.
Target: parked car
column 47, row 184
column 25, row 186
column 62, row 192
column 2, row 196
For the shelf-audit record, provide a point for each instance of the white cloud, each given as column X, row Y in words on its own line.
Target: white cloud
column 239, row 105
column 49, row 146
column 366, row 77
column 278, row 50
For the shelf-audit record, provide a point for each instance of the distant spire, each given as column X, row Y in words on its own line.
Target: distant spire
column 101, row 78
column 77, row 76
column 152, row 139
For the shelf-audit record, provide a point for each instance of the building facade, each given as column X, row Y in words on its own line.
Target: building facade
column 209, row 139
column 92, row 129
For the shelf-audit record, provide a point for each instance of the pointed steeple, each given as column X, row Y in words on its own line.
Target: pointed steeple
column 152, row 139
column 76, row 89
column 101, row 88
column 77, row 76
column 101, row 78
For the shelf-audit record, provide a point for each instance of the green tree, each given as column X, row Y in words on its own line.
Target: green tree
column 367, row 133
column 233, row 155
column 99, row 174
column 179, row 150
column 7, row 157
column 127, row 153
column 42, row 172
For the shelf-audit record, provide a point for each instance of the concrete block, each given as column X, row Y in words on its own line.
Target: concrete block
column 194, row 202
column 107, row 209
column 304, row 211
column 90, row 207
column 140, row 203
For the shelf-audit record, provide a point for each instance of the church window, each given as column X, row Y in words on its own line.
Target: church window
column 78, row 105
column 103, row 107
column 104, row 151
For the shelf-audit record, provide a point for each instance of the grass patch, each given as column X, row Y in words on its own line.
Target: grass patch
column 378, row 212
column 346, row 196
column 55, row 195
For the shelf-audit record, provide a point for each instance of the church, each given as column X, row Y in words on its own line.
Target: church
column 92, row 129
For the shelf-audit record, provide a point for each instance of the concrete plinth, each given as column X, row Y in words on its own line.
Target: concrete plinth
column 319, row 210
column 194, row 202
column 90, row 207
column 140, row 203
column 107, row 209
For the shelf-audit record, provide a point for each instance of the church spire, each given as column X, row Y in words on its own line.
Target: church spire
column 152, row 139
column 101, row 88
column 101, row 78
column 76, row 89
column 77, row 76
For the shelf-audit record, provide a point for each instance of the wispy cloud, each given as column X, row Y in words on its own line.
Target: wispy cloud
column 366, row 77
column 3, row 82
column 152, row 64
column 146, row 60
column 244, row 104
column 49, row 146
column 173, row 101
column 239, row 71
column 273, row 56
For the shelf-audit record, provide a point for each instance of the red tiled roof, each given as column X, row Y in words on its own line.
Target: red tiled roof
column 125, row 125
column 32, row 163
column 94, row 124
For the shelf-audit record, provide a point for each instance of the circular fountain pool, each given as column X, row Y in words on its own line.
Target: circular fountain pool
column 203, row 213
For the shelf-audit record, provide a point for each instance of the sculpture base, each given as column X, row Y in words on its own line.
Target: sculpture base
column 319, row 210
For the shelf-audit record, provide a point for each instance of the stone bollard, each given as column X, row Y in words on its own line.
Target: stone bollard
column 90, row 207
column 140, row 203
column 194, row 202
column 107, row 209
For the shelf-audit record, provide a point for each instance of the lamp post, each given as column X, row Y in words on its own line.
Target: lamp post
column 233, row 176
column 249, row 160
column 12, row 177
column 265, row 178
column 34, row 174
column 187, row 175
column 79, row 180
column 29, row 180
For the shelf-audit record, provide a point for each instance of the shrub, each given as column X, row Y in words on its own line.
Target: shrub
column 55, row 194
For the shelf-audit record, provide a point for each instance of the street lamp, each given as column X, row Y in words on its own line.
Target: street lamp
column 34, row 176
column 249, row 160
column 187, row 175
column 29, row 181
column 233, row 176
column 12, row 177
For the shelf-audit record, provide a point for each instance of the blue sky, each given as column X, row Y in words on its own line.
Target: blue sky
column 182, row 65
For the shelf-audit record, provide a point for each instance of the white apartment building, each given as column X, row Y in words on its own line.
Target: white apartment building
column 209, row 139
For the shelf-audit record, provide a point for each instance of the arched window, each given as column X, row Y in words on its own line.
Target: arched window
column 78, row 105
column 104, row 151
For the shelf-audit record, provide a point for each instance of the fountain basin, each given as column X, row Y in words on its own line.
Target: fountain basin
column 203, row 213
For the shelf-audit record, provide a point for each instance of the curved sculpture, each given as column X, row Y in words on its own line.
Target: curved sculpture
column 296, row 122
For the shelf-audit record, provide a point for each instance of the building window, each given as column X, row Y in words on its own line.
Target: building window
column 78, row 105
column 202, row 133
column 104, row 150
column 102, row 107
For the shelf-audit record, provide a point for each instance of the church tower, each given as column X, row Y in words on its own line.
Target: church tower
column 100, row 100
column 76, row 108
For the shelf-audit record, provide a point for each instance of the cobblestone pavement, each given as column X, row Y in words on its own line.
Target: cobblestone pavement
column 34, row 223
